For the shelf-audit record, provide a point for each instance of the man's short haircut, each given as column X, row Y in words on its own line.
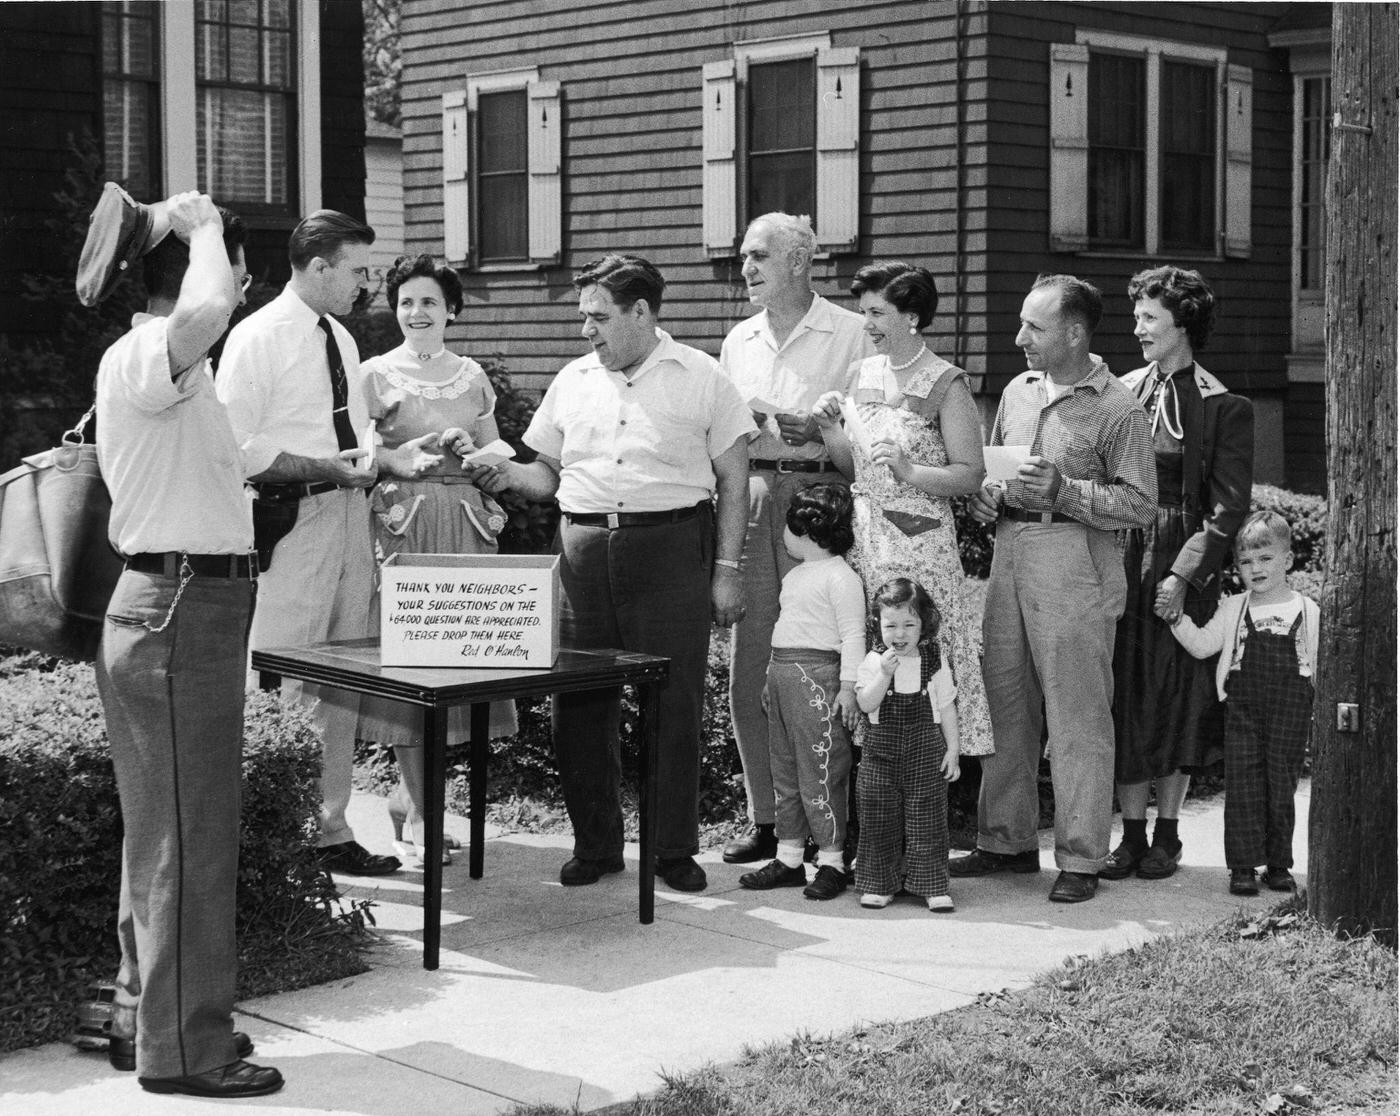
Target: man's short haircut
column 1263, row 528
column 163, row 267
column 425, row 267
column 822, row 513
column 909, row 289
column 324, row 233
column 1078, row 299
column 625, row 278
column 795, row 233
column 1185, row 293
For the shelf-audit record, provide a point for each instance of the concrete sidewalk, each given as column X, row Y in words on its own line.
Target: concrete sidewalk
column 557, row 995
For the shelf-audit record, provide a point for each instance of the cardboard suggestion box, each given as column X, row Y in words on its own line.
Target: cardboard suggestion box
column 469, row 610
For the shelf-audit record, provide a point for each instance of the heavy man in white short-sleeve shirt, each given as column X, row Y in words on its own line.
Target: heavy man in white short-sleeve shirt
column 797, row 347
column 643, row 444
column 170, row 665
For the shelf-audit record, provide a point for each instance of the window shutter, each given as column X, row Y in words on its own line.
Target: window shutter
column 1069, row 147
column 456, row 226
column 719, row 202
column 838, row 148
column 546, row 199
column 1239, row 158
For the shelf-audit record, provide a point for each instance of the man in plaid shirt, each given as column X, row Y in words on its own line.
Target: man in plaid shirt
column 1057, row 589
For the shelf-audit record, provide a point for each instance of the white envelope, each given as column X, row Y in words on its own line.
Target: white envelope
column 492, row 454
column 1003, row 462
column 763, row 407
column 855, row 429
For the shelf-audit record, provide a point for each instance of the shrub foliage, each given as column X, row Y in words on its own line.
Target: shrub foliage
column 60, row 853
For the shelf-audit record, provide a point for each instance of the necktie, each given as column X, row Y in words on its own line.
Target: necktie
column 340, row 396
column 1165, row 383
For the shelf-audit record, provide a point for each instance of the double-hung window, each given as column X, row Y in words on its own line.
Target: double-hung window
column 1150, row 148
column 501, row 171
column 222, row 96
column 780, row 129
column 131, row 94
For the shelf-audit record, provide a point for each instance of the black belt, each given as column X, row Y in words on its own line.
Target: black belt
column 1020, row 515
column 614, row 520
column 803, row 465
column 286, row 493
column 235, row 567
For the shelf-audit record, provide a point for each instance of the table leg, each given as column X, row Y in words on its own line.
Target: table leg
column 649, row 708
column 434, row 789
column 480, row 751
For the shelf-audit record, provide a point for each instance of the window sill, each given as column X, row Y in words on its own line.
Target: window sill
column 506, row 267
column 1143, row 254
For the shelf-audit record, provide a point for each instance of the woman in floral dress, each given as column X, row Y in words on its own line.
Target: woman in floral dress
column 917, row 443
column 420, row 388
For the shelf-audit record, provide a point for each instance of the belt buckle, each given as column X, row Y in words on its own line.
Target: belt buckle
column 784, row 466
column 612, row 520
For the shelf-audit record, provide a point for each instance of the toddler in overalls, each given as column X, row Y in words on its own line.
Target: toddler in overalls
column 910, row 752
column 1267, row 642
column 810, row 693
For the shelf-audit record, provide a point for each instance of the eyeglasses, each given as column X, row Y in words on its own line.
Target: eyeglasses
column 246, row 282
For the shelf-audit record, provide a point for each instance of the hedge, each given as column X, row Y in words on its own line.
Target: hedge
column 60, row 853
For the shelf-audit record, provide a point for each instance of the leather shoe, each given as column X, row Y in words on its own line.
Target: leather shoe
column 774, row 874
column 760, row 843
column 681, row 873
column 237, row 1079
column 1279, row 879
column 1074, row 887
column 1122, row 861
column 829, row 883
column 350, row 858
column 1159, row 863
column 980, row 862
column 121, row 1052
column 579, row 872
column 1243, row 881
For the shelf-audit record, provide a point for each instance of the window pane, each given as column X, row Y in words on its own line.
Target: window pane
column 782, row 134
column 277, row 48
column 501, row 119
column 1188, row 129
column 277, row 13
column 127, row 136
column 782, row 182
column 211, row 52
column 242, row 153
column 1117, row 150
column 243, row 56
column 504, row 217
column 244, row 12
column 1312, row 215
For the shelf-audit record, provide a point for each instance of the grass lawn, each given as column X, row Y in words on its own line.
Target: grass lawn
column 1261, row 1014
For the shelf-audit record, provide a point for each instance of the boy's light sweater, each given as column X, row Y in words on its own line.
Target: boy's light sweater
column 1225, row 632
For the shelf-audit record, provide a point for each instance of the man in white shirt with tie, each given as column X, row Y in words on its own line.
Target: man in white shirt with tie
column 290, row 379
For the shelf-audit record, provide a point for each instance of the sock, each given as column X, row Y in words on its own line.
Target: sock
column 1164, row 833
column 790, row 854
column 1135, row 832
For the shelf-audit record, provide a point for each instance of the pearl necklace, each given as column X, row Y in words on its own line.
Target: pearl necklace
column 908, row 363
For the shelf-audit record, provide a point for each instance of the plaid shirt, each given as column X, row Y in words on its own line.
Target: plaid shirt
column 1097, row 436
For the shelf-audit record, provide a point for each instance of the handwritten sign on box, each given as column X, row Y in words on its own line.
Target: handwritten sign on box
column 469, row 610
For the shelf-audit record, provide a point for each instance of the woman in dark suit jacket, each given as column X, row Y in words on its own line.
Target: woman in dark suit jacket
column 1166, row 714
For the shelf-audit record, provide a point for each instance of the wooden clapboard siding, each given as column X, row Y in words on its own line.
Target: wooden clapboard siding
column 953, row 166
column 48, row 96
column 1252, row 334
column 631, row 107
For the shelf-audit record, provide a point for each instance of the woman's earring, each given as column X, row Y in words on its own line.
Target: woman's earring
column 914, row 330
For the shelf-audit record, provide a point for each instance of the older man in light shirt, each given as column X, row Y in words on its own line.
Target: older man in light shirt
column 635, row 439
column 782, row 359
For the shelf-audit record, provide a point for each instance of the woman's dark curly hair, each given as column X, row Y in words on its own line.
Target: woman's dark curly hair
column 1185, row 293
column 822, row 513
column 901, row 592
column 425, row 267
